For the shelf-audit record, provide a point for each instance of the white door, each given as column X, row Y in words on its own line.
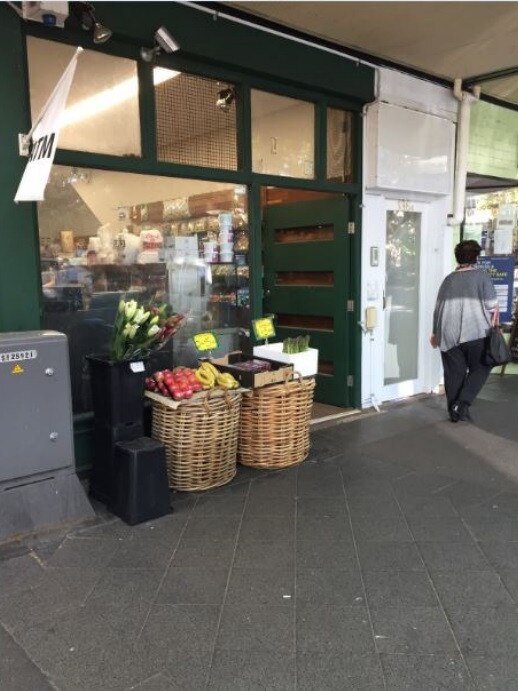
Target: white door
column 406, row 241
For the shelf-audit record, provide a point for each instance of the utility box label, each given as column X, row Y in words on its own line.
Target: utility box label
column 18, row 356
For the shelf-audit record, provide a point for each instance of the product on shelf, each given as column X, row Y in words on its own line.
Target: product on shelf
column 292, row 346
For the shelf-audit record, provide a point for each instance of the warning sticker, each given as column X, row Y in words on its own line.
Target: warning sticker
column 17, row 369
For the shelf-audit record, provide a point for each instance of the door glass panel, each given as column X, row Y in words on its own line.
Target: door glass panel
column 283, row 135
column 102, row 113
column 305, row 321
column 320, row 279
column 403, row 241
column 339, row 145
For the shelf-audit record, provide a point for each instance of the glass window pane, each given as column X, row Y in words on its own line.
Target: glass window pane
column 102, row 114
column 339, row 145
column 191, row 128
column 402, row 296
column 283, row 135
column 106, row 235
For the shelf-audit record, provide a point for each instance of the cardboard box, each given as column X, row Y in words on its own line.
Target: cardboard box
column 305, row 364
column 278, row 374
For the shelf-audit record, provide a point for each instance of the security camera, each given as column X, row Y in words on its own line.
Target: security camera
column 225, row 98
column 166, row 41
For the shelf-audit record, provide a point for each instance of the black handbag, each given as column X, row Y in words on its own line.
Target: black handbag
column 497, row 351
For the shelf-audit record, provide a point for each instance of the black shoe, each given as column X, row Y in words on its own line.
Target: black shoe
column 456, row 411
column 464, row 412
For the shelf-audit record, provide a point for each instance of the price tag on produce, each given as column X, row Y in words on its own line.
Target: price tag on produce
column 205, row 342
column 263, row 328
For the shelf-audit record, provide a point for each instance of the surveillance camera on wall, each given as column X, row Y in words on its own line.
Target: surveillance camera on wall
column 164, row 42
column 225, row 99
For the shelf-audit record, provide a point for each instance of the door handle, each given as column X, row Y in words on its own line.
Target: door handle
column 267, row 292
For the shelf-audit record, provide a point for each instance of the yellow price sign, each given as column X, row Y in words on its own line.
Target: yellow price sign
column 205, row 341
column 263, row 328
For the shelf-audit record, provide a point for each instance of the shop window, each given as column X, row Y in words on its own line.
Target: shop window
column 195, row 120
column 339, row 145
column 283, row 135
column 102, row 113
column 107, row 235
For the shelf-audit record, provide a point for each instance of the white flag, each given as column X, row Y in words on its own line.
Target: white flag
column 44, row 139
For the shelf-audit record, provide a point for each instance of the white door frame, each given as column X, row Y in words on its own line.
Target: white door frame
column 412, row 386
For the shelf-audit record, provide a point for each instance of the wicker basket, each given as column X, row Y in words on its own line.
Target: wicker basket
column 200, row 441
column 274, row 430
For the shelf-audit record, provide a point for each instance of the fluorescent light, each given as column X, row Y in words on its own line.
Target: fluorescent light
column 108, row 98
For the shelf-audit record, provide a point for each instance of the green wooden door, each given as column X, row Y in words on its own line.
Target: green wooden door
column 307, row 285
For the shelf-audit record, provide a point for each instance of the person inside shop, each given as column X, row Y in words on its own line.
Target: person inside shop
column 465, row 310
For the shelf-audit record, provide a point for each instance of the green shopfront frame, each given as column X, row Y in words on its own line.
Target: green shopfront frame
column 219, row 49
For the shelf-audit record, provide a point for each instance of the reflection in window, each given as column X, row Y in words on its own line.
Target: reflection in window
column 283, row 135
column 403, row 241
column 191, row 128
column 339, row 145
column 102, row 114
column 105, row 235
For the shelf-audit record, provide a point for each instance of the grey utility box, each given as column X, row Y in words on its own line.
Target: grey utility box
column 38, row 484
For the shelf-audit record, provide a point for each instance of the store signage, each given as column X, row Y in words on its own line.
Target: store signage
column 501, row 272
column 205, row 342
column 263, row 328
column 44, row 138
column 18, row 356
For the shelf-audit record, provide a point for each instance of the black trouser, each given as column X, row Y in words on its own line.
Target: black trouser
column 465, row 372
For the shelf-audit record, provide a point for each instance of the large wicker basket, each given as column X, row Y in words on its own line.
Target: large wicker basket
column 200, row 441
column 274, row 429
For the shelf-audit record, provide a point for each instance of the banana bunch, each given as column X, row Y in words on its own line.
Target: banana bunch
column 207, row 375
column 227, row 381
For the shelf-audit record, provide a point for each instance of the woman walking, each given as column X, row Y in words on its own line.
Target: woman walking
column 466, row 308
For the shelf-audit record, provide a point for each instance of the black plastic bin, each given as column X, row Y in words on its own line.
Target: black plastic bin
column 117, row 391
column 141, row 487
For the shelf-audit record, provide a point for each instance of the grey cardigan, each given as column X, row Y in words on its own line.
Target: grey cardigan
column 462, row 311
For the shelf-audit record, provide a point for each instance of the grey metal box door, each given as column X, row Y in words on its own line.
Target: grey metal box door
column 35, row 404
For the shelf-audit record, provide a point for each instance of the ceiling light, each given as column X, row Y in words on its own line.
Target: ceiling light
column 164, row 42
column 225, row 99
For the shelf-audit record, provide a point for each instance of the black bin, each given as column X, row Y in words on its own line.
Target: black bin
column 102, row 485
column 117, row 391
column 141, row 487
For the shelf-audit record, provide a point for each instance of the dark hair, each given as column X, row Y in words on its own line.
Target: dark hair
column 467, row 251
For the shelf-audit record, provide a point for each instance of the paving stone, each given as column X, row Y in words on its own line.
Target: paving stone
column 19, row 573
column 220, row 506
column 494, row 673
column 141, row 553
column 341, row 553
column 266, row 529
column 439, row 529
column 91, row 552
column 252, row 670
column 158, row 682
column 425, row 672
column 463, row 589
column 338, row 671
column 192, row 585
column 509, row 578
column 493, row 527
column 380, row 529
column 501, row 555
column 399, row 588
column 412, row 630
column 282, row 483
column 321, row 506
column 486, row 630
column 453, row 556
column 167, row 528
column 114, row 528
column 256, row 628
column 17, row 671
column 428, row 507
column 328, row 585
column 324, row 628
column 173, row 628
column 261, row 587
column 265, row 555
column 262, row 504
column 324, row 527
column 390, row 556
column 206, row 529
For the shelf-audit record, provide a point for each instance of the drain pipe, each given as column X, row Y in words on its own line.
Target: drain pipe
column 465, row 100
